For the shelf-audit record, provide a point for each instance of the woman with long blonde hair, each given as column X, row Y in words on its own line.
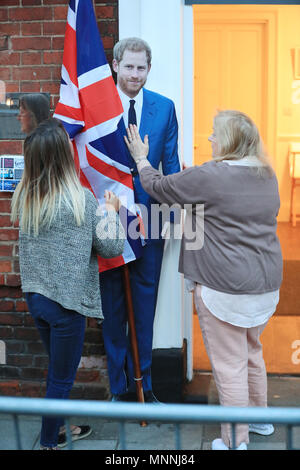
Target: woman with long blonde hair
column 60, row 238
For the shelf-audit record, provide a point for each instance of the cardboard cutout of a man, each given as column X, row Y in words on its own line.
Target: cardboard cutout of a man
column 155, row 116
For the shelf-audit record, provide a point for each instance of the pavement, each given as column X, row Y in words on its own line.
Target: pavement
column 282, row 391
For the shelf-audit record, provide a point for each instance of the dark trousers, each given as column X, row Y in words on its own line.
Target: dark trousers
column 62, row 332
column 144, row 279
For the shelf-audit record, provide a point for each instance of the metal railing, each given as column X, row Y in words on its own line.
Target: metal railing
column 166, row 413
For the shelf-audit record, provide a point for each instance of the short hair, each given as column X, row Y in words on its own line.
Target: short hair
column 38, row 106
column 131, row 44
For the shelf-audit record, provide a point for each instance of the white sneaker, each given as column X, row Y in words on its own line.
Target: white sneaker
column 218, row 444
column 261, row 428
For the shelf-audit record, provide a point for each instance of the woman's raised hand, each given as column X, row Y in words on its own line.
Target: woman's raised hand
column 136, row 146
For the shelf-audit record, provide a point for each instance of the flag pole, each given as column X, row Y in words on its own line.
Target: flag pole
column 133, row 338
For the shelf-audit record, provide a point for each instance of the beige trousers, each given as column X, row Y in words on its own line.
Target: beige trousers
column 237, row 364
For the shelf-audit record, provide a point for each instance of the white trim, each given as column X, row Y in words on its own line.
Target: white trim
column 168, row 28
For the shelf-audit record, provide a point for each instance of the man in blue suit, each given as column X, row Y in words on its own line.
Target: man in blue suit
column 154, row 115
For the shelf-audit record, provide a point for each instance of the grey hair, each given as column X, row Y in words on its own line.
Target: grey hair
column 131, row 44
column 238, row 137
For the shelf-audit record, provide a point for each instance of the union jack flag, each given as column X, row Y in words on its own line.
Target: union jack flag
column 90, row 109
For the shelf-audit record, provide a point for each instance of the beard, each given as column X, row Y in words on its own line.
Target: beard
column 131, row 87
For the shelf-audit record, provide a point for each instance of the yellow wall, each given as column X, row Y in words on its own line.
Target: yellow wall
column 288, row 112
column 286, row 109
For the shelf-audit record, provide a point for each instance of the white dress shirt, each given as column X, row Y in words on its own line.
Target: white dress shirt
column 137, row 106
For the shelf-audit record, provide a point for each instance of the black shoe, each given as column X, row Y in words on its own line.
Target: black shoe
column 149, row 397
column 85, row 431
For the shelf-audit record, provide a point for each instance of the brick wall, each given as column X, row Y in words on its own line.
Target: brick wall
column 31, row 50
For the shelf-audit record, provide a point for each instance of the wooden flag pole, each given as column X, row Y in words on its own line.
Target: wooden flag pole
column 133, row 338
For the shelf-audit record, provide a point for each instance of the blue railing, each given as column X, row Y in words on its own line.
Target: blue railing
column 167, row 413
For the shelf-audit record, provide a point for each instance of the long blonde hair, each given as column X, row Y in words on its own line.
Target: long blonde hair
column 238, row 137
column 49, row 179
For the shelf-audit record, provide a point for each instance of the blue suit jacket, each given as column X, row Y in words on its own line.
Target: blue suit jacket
column 159, row 121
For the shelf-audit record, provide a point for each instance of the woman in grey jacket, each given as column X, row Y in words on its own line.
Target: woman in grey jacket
column 235, row 269
column 62, row 231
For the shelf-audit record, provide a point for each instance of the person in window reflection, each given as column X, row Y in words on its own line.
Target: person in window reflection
column 34, row 108
column 236, row 271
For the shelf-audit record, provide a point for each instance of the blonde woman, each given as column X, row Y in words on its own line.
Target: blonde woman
column 60, row 237
column 237, row 271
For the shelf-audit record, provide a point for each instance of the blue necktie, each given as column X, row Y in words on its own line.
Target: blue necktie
column 131, row 113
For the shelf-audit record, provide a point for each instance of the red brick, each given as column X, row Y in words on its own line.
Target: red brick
column 31, row 2
column 5, row 205
column 8, row 234
column 31, row 29
column 6, row 332
column 50, row 87
column 2, row 279
column 30, row 87
column 12, row 87
column 112, row 27
column 20, row 360
column 9, row 58
column 108, row 42
column 27, row 43
column 5, row 266
column 31, row 58
column 6, row 305
column 21, row 306
column 54, row 101
column 87, row 375
column 34, row 373
column 56, row 73
column 30, row 334
column 56, row 29
column 4, row 73
column 5, row 221
column 60, row 13
column 55, row 2
column 10, row 388
column 6, row 195
column 11, row 2
column 12, row 29
column 11, row 147
column 13, row 319
column 30, row 14
column 6, row 250
column 104, row 11
column 31, row 73
column 13, row 280
column 3, row 14
column 10, row 292
column 57, row 43
column 16, row 266
column 30, row 389
column 53, row 57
